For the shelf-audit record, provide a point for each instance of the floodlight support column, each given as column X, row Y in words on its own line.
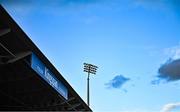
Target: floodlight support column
column 88, row 89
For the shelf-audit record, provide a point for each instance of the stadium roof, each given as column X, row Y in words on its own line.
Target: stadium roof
column 28, row 80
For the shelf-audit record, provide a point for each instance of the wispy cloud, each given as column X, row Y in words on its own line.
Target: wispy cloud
column 62, row 2
column 169, row 107
column 166, row 5
column 155, row 82
column 173, row 52
column 139, row 110
column 152, row 4
column 48, row 6
column 117, row 82
column 49, row 3
column 160, row 3
column 169, row 71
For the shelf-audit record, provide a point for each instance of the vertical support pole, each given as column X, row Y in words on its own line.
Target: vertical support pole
column 88, row 89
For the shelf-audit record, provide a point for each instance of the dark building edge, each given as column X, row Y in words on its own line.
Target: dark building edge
column 4, row 16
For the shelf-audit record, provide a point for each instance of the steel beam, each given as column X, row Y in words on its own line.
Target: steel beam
column 74, row 106
column 4, row 31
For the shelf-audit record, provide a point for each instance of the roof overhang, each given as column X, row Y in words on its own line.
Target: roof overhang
column 22, row 86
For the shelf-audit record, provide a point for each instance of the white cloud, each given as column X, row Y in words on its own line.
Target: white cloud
column 169, row 69
column 173, row 52
column 170, row 106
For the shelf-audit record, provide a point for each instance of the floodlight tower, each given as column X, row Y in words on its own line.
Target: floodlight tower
column 90, row 69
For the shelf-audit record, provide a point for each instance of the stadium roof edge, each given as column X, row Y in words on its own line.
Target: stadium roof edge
column 15, row 28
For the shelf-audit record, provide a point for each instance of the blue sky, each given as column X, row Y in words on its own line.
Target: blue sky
column 135, row 44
